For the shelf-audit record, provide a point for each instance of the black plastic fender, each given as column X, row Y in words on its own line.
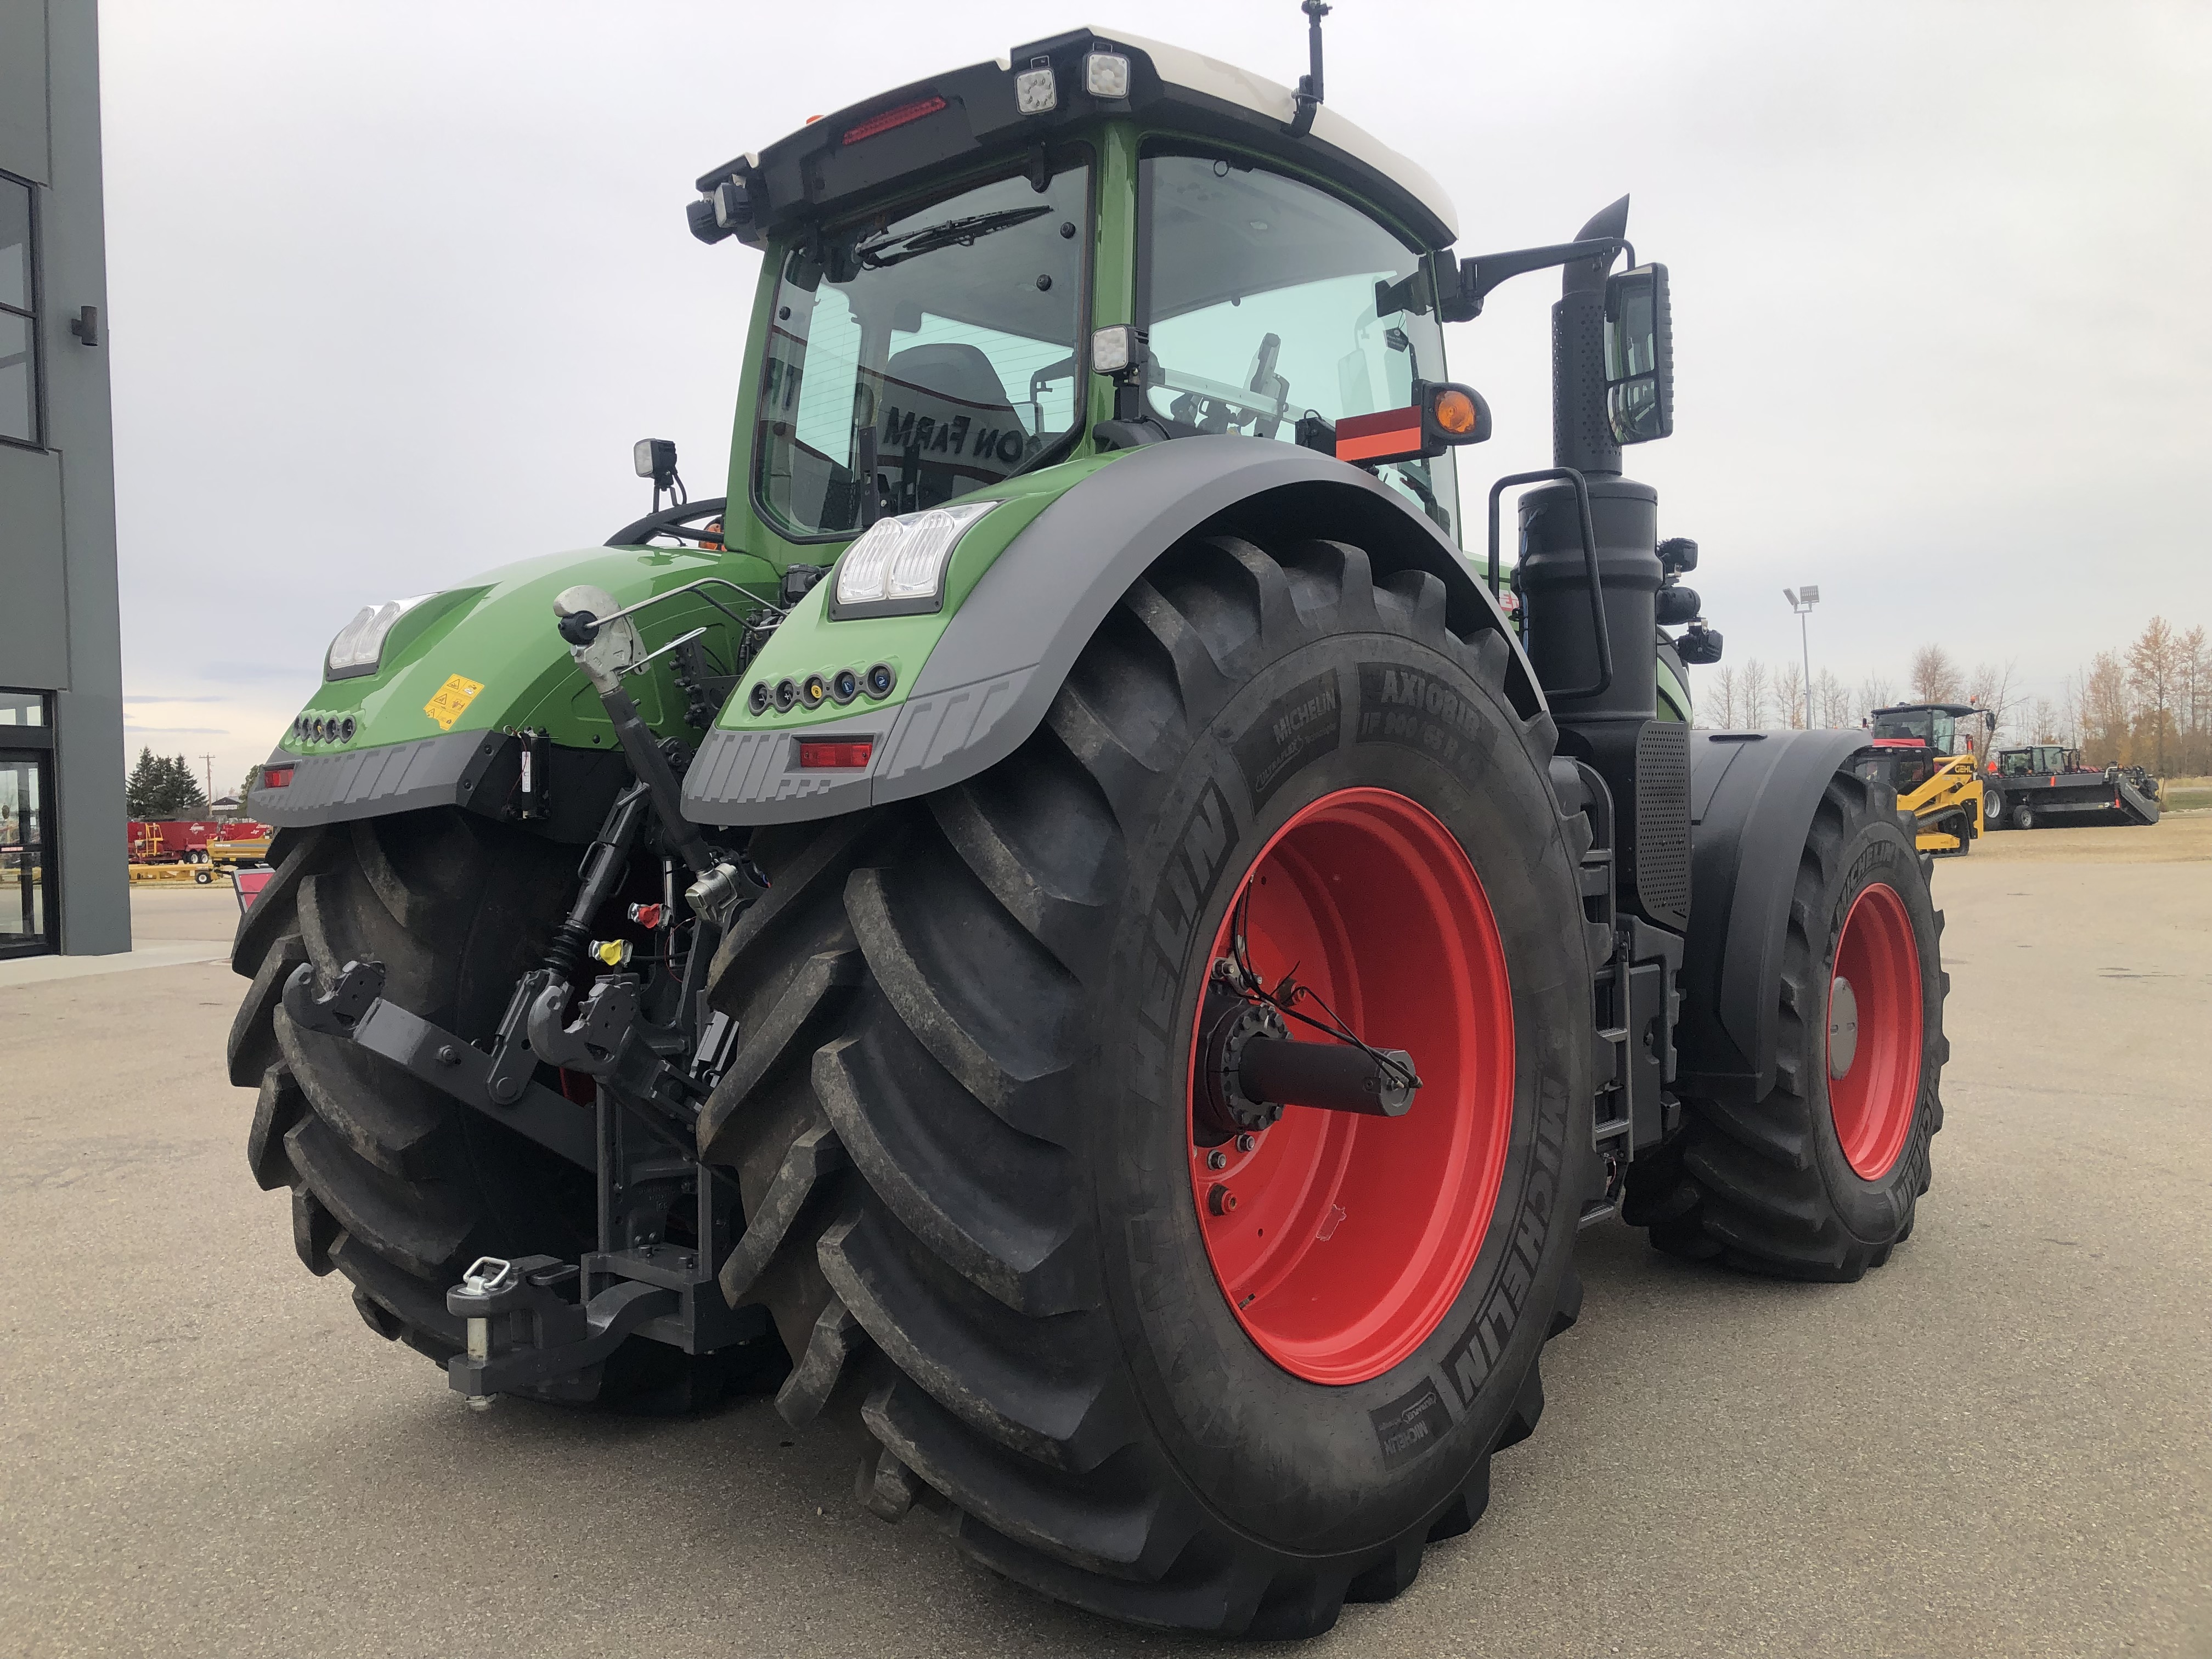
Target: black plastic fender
column 994, row 671
column 1752, row 799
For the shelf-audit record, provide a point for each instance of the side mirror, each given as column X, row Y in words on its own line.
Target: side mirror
column 1639, row 355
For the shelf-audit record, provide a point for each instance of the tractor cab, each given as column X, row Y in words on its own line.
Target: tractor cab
column 1911, row 740
column 1091, row 245
column 1941, row 728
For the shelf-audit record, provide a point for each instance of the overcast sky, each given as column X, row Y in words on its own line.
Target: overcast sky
column 393, row 287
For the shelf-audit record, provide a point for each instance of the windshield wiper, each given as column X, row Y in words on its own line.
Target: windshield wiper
column 953, row 233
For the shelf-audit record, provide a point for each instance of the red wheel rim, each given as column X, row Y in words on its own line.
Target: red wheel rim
column 1350, row 1237
column 1873, row 1045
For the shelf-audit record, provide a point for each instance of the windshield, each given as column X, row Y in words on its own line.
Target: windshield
column 921, row 354
column 1269, row 299
column 1932, row 727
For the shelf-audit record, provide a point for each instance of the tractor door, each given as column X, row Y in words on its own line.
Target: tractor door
column 1269, row 301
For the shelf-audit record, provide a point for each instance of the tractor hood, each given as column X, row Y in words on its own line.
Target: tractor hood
column 463, row 667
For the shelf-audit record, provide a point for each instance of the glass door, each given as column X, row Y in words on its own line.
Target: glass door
column 27, row 895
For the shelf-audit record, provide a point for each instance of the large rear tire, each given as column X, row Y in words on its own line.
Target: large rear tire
column 396, row 1186
column 1819, row 1180
column 961, row 1112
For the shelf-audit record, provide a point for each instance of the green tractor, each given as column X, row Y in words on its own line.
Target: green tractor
column 1075, row 915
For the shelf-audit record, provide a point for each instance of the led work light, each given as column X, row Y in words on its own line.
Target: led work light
column 1035, row 91
column 898, row 566
column 360, row 644
column 1106, row 75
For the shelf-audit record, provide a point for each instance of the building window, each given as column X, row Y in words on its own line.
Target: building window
column 18, row 331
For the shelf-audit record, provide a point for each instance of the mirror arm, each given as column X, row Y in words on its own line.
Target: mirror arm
column 1478, row 276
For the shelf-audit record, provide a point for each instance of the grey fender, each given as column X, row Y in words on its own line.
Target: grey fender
column 1752, row 799
column 1005, row 653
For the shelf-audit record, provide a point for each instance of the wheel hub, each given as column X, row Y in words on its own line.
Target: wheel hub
column 1843, row 1027
column 1221, row 1107
column 1341, row 1196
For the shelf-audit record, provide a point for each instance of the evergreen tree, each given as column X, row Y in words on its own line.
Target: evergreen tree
column 163, row 788
column 187, row 799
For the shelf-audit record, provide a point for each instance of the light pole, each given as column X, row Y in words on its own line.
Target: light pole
column 1801, row 601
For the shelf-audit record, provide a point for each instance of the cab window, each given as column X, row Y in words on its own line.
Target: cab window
column 922, row 353
column 1267, row 299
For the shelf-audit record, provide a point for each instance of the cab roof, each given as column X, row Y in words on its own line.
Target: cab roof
column 951, row 120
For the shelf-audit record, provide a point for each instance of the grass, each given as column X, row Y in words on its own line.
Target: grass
column 2186, row 794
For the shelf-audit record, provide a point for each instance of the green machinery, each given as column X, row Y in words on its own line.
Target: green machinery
column 1072, row 916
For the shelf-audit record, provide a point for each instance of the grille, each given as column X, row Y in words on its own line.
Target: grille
column 1663, row 821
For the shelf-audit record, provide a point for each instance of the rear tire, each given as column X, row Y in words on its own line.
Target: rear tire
column 396, row 1186
column 2023, row 816
column 959, row 1115
column 1993, row 809
column 1820, row 1179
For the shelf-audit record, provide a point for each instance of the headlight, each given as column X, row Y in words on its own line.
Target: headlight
column 898, row 568
column 360, row 644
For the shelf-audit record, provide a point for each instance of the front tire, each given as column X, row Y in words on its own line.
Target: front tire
column 962, row 1116
column 1993, row 809
column 2023, row 816
column 1820, row 1179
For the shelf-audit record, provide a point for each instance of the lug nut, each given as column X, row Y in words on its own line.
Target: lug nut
column 1220, row 1200
column 1245, row 1143
column 1217, row 1159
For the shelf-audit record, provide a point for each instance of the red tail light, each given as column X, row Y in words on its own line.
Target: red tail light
column 893, row 117
column 276, row 777
column 826, row 757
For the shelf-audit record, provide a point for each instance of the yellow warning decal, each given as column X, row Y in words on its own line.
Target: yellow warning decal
column 454, row 696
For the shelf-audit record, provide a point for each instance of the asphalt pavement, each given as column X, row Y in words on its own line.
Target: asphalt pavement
column 1997, row 1444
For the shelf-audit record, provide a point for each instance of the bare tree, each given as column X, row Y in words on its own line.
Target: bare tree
column 2105, row 738
column 1992, row 689
column 1789, row 695
column 1753, row 689
column 1717, row 708
column 1874, row 693
column 2154, row 673
column 1831, row 700
column 2196, row 701
column 2045, row 727
column 1935, row 676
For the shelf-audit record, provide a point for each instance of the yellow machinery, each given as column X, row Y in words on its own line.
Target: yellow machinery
column 1929, row 753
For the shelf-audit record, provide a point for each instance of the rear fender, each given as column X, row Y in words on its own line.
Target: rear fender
column 992, row 673
column 1752, row 799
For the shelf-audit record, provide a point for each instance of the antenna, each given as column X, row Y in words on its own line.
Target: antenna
column 1308, row 93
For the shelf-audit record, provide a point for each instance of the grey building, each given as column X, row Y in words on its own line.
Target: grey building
column 63, row 882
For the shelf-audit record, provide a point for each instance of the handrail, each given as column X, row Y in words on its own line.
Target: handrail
column 1589, row 564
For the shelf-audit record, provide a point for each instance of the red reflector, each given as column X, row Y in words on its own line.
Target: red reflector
column 276, row 777
column 818, row 756
column 893, row 117
column 1365, row 437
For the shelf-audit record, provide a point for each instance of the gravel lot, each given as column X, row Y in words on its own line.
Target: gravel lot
column 1997, row 1444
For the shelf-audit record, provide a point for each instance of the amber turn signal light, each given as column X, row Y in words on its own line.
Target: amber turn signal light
column 1455, row 412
